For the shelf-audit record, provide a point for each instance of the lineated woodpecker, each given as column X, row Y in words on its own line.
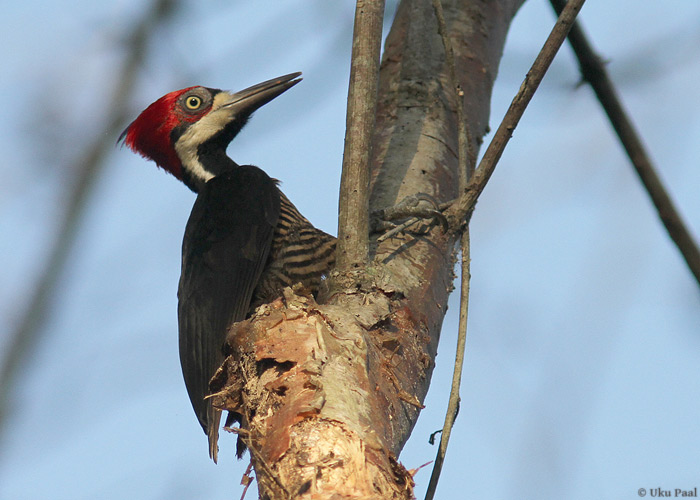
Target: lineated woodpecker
column 244, row 240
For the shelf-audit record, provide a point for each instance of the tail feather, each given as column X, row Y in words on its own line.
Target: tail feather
column 214, row 418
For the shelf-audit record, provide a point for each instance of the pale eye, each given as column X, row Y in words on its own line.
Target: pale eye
column 193, row 102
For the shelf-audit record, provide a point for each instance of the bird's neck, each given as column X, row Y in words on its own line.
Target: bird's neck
column 205, row 166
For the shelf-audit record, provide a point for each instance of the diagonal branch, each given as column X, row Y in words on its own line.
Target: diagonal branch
column 594, row 73
column 466, row 161
column 459, row 212
column 353, row 217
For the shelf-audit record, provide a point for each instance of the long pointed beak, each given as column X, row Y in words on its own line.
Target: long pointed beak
column 248, row 100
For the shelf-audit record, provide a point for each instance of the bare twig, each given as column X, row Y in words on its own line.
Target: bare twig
column 476, row 186
column 458, row 213
column 453, row 404
column 467, row 163
column 353, row 217
column 87, row 170
column 244, row 435
column 593, row 71
column 246, row 480
column 260, row 461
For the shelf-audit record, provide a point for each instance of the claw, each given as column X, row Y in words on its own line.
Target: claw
column 408, row 208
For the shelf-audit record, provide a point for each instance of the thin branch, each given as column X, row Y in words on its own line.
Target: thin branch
column 593, row 71
column 246, row 480
column 260, row 461
column 459, row 212
column 453, row 404
column 353, row 217
column 476, row 186
column 467, row 163
column 88, row 168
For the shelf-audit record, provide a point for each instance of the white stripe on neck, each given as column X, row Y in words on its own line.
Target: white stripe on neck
column 200, row 132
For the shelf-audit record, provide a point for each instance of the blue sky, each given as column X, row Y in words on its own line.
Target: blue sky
column 582, row 377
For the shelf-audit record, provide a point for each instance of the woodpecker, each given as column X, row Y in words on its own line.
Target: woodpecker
column 244, row 240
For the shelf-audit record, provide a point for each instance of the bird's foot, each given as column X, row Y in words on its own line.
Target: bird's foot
column 407, row 213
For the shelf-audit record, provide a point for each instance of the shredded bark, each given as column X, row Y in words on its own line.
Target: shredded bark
column 310, row 384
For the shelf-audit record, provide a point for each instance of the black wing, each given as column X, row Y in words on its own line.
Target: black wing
column 226, row 244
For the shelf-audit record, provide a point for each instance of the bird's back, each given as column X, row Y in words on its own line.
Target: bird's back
column 300, row 253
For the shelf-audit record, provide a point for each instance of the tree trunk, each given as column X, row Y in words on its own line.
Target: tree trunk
column 328, row 394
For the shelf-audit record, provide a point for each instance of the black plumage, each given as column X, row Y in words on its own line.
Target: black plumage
column 226, row 245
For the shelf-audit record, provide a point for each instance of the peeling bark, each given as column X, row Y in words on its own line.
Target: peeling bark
column 328, row 393
column 318, row 389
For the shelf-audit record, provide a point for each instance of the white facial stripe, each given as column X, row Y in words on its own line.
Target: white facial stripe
column 200, row 132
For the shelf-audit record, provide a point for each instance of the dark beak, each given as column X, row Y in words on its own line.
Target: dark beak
column 248, row 100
